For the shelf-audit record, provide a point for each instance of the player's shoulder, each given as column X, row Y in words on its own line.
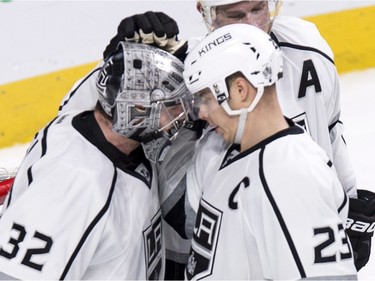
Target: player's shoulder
column 302, row 168
column 295, row 155
column 57, row 132
column 297, row 32
column 71, row 154
column 83, row 94
column 60, row 134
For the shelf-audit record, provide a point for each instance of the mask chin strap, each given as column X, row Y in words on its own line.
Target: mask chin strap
column 243, row 115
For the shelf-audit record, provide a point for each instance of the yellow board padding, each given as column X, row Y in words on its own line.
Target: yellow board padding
column 27, row 106
column 351, row 35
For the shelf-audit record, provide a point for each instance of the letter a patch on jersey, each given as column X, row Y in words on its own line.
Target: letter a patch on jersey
column 205, row 238
column 309, row 78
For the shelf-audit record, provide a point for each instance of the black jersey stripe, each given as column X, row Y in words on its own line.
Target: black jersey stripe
column 91, row 226
column 32, row 146
column 300, row 47
column 75, row 90
column 282, row 223
column 29, row 176
column 330, row 127
column 344, row 202
column 333, row 125
column 44, row 138
column 44, row 150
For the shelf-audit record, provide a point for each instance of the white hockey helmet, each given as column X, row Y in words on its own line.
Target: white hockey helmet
column 228, row 50
column 207, row 8
column 135, row 84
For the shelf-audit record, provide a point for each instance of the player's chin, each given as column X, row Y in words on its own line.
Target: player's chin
column 222, row 133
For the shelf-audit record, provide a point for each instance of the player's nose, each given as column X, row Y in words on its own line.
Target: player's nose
column 203, row 114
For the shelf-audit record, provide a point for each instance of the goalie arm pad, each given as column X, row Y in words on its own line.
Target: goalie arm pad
column 360, row 226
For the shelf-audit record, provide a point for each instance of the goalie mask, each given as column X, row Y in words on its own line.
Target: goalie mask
column 142, row 88
column 258, row 13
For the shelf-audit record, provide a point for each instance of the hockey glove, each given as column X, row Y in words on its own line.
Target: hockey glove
column 153, row 28
column 360, row 226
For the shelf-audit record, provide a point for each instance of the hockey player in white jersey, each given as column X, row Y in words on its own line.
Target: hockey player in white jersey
column 312, row 100
column 273, row 208
column 85, row 203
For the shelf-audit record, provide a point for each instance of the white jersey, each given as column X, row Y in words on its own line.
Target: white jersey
column 80, row 209
column 308, row 93
column 274, row 211
column 83, row 95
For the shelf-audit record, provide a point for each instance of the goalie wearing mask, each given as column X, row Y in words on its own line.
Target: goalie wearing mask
column 85, row 201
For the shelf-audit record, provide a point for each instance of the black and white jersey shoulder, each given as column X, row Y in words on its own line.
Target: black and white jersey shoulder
column 275, row 211
column 309, row 92
column 80, row 209
column 83, row 95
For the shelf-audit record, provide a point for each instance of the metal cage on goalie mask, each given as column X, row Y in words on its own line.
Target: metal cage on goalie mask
column 228, row 50
column 135, row 84
column 207, row 8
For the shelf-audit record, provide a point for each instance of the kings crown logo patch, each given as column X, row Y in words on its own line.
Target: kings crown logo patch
column 204, row 243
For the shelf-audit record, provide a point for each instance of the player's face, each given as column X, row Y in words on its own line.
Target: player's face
column 255, row 13
column 211, row 111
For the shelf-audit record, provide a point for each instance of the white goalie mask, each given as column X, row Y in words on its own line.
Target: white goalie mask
column 228, row 50
column 208, row 10
column 138, row 85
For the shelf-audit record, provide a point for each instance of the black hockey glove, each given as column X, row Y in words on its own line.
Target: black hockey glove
column 153, row 28
column 360, row 226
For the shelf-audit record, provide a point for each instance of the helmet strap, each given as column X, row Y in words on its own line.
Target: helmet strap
column 241, row 126
column 258, row 96
column 244, row 112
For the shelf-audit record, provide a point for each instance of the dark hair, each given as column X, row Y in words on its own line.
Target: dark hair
column 236, row 75
column 232, row 77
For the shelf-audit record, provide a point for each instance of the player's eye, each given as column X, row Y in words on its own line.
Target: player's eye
column 236, row 15
column 259, row 8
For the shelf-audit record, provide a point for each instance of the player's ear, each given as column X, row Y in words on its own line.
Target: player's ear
column 243, row 89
